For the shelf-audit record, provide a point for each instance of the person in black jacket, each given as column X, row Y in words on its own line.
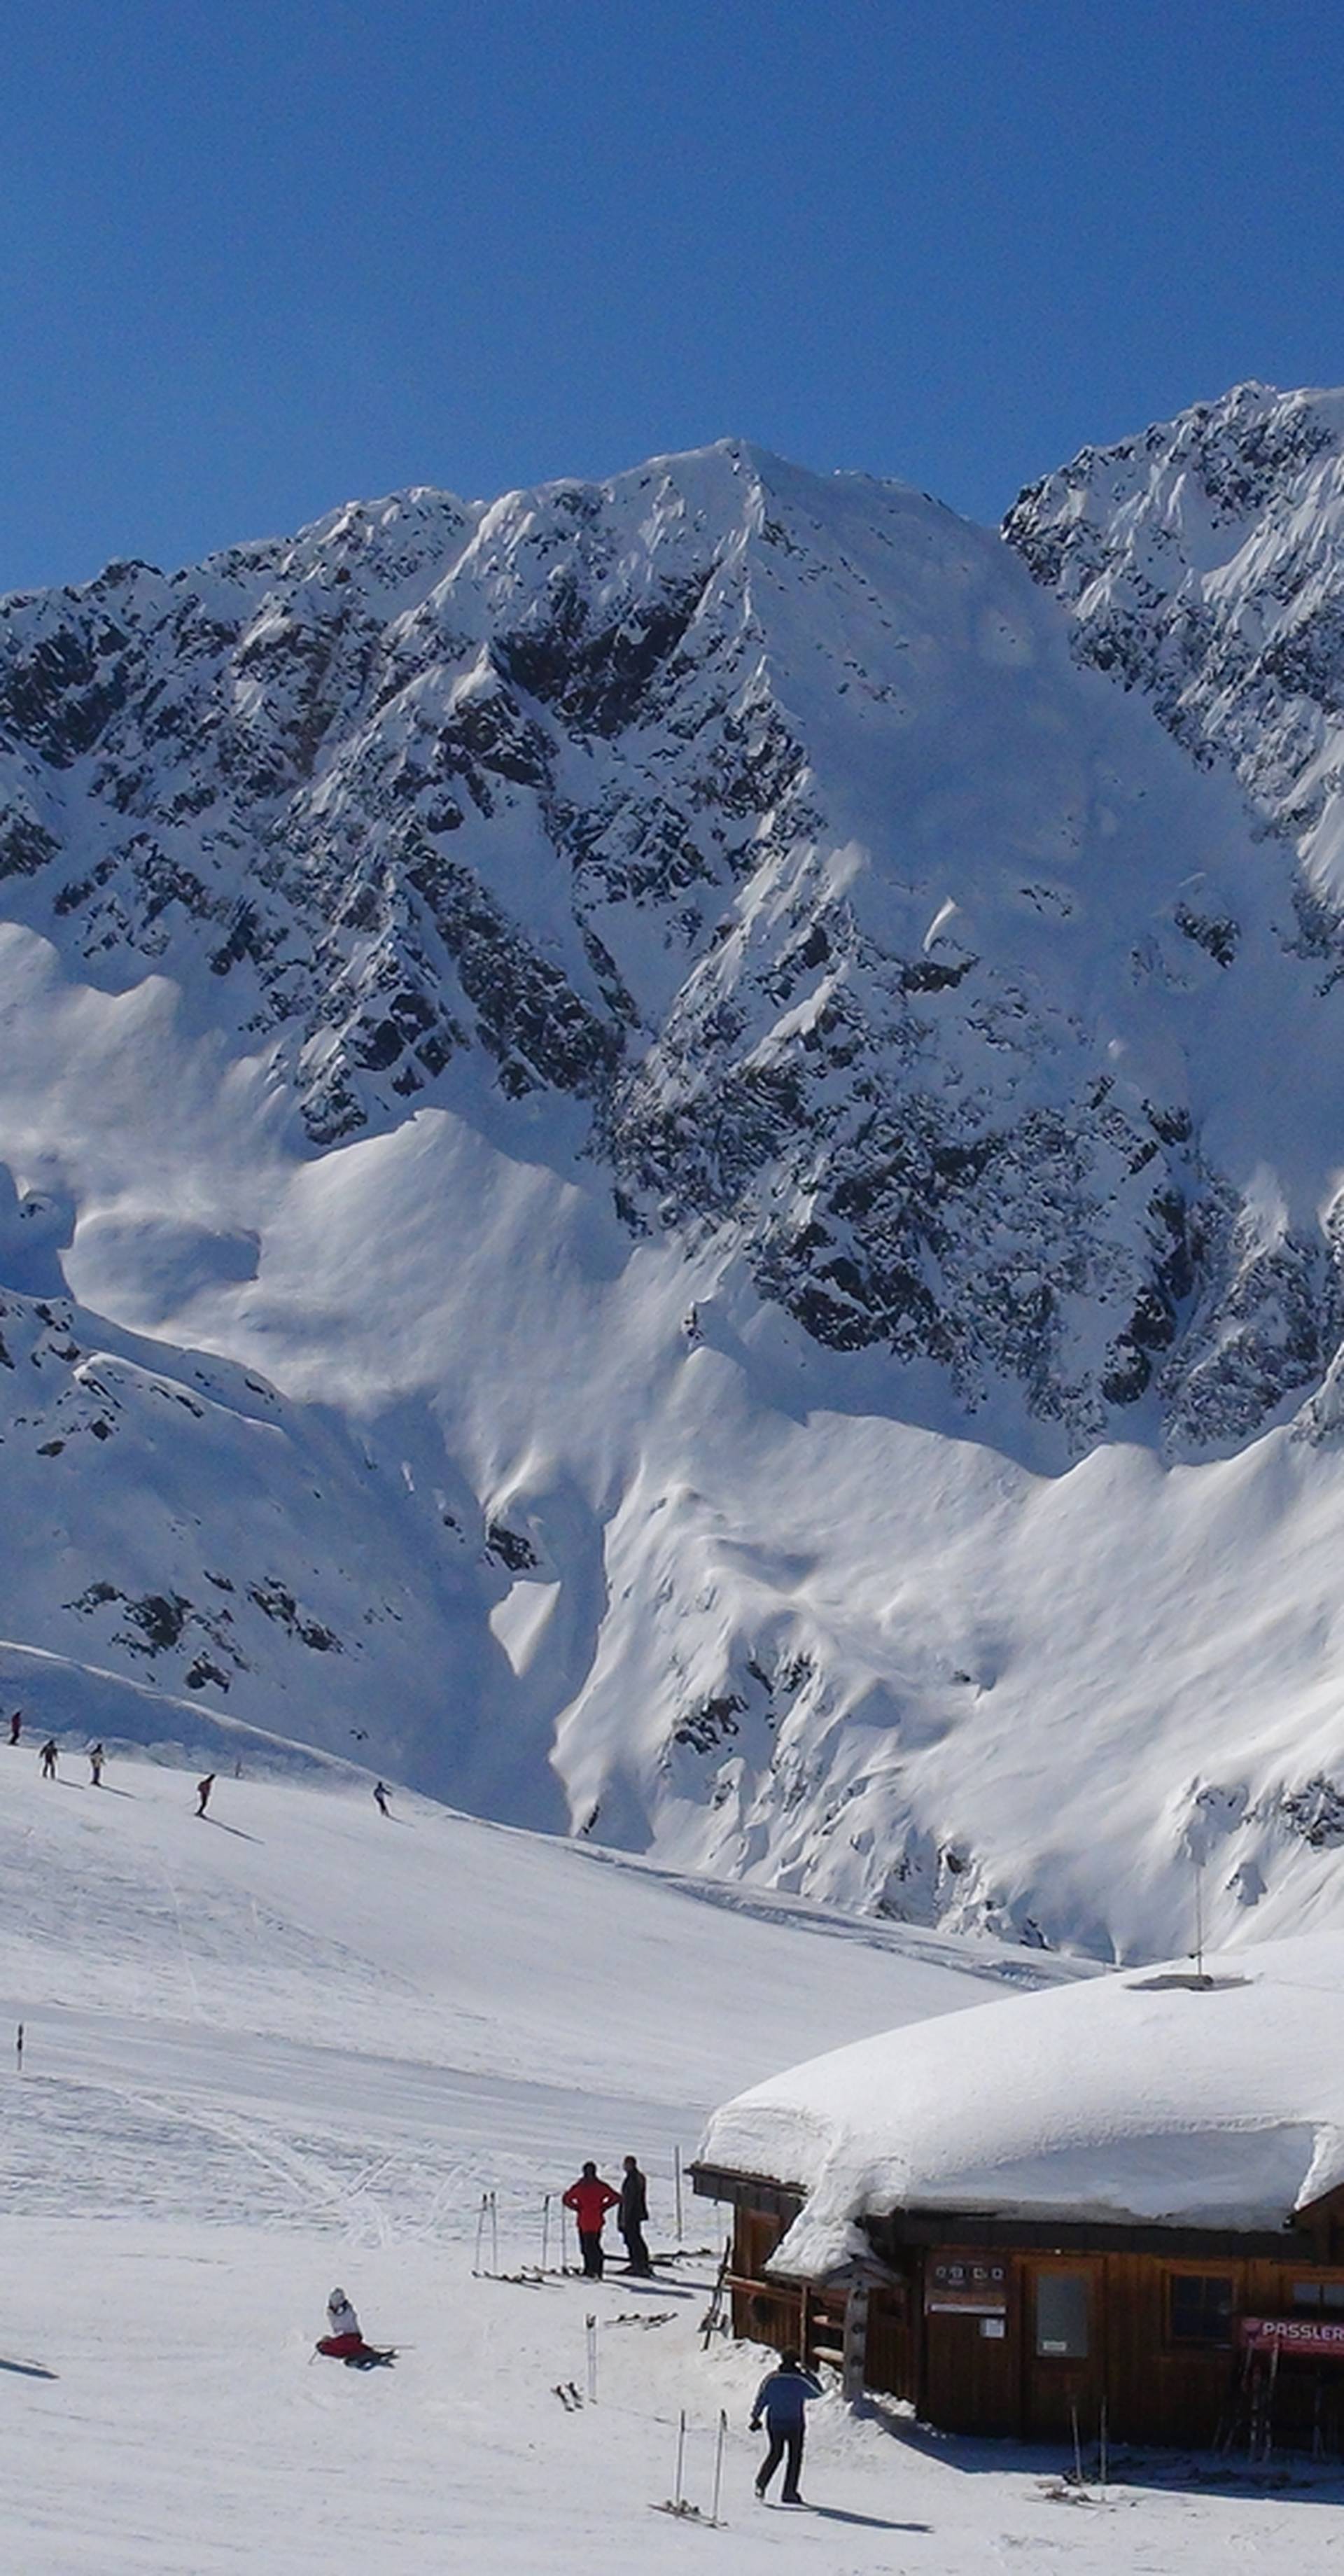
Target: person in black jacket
column 632, row 2218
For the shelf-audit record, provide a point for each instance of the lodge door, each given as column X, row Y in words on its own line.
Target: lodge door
column 1063, row 2347
column 971, row 2342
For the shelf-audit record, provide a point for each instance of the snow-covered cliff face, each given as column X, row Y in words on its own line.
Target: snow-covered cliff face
column 710, row 1074
column 759, row 818
column 1203, row 562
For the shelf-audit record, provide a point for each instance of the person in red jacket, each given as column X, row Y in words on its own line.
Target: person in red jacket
column 590, row 2198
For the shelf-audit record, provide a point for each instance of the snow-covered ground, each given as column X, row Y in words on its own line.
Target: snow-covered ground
column 293, row 2043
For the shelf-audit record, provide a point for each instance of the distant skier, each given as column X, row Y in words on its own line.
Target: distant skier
column 16, row 1726
column 590, row 2198
column 632, row 2219
column 48, row 1758
column 781, row 2398
column 343, row 2340
column 380, row 1798
column 97, row 1758
column 203, row 1789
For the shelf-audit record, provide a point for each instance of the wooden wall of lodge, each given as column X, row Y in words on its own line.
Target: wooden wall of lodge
column 1155, row 2390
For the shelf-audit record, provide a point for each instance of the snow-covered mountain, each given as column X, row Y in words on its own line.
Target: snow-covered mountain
column 1204, row 564
column 752, row 1146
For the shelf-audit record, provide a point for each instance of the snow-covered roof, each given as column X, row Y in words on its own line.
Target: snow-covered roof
column 1144, row 2098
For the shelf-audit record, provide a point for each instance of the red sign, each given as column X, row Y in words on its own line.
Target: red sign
column 1321, row 2337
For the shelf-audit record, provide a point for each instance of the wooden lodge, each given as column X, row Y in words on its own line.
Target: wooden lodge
column 1168, row 2274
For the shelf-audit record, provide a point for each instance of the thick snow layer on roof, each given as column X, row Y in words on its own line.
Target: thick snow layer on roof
column 1145, row 2097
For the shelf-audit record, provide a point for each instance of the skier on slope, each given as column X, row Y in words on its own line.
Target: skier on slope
column 48, row 1758
column 203, row 1789
column 343, row 2340
column 380, row 1798
column 16, row 1726
column 632, row 2218
column 590, row 2198
column 97, row 1758
column 782, row 2397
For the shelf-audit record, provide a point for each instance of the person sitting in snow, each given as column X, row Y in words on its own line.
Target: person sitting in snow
column 590, row 2198
column 343, row 2340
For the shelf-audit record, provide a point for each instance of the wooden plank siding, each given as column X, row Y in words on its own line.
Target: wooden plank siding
column 1150, row 2332
column 764, row 2311
column 1157, row 2387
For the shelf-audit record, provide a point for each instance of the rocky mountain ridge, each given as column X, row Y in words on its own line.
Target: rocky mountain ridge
column 545, row 983
column 633, row 797
column 1203, row 563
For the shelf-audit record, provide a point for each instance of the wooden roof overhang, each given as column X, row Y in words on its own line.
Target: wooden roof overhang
column 1063, row 2235
column 747, row 2191
column 1300, row 2239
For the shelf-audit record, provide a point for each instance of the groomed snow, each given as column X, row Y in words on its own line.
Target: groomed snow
column 1151, row 2097
column 290, row 2045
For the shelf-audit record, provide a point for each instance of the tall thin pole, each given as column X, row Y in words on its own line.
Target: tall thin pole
column 718, row 2462
column 545, row 2229
column 676, row 2185
column 1199, row 1917
column 681, row 2453
column 494, row 2234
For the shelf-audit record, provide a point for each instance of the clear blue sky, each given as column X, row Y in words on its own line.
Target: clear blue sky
column 257, row 256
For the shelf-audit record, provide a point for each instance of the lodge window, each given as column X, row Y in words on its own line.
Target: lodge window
column 1318, row 2294
column 1061, row 2316
column 1199, row 2306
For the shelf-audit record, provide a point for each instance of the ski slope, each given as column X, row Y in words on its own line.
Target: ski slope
column 292, row 2043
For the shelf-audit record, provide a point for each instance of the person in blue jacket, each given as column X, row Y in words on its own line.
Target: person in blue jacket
column 781, row 2398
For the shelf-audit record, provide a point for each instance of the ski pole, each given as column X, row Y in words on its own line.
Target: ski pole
column 591, row 2325
column 494, row 2235
column 681, row 2453
column 545, row 2228
column 1077, row 2449
column 718, row 2463
column 676, row 2184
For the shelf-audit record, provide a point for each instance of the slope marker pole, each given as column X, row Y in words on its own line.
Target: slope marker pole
column 718, row 2463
